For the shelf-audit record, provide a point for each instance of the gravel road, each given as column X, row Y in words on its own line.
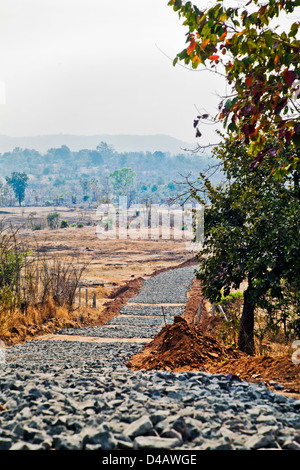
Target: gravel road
column 69, row 395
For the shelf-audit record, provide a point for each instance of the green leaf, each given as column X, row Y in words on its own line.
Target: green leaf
column 232, row 127
column 269, row 38
column 294, row 30
column 296, row 140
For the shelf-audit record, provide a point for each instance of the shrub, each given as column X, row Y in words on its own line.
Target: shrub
column 232, row 308
column 64, row 224
column 52, row 219
column 31, row 282
column 12, row 261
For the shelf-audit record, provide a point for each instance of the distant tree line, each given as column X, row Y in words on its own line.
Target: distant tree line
column 64, row 177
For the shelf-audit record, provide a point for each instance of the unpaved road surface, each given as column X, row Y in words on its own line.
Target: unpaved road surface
column 72, row 390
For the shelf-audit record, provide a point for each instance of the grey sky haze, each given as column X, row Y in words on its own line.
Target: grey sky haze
column 98, row 67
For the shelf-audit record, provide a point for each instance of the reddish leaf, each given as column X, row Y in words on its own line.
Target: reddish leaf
column 289, row 77
column 192, row 46
column 214, row 57
column 251, row 129
column 223, row 36
column 288, row 137
column 259, row 158
column 248, row 82
column 245, row 129
column 262, row 9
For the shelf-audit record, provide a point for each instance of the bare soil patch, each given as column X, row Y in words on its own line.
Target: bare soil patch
column 88, row 339
column 181, row 347
column 263, row 368
column 111, row 261
column 186, row 346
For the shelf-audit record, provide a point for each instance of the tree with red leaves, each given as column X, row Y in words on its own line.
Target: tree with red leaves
column 260, row 64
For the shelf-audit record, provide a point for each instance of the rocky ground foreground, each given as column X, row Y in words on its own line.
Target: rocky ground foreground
column 84, row 392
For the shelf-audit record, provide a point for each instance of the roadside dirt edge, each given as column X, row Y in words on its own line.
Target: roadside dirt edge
column 182, row 340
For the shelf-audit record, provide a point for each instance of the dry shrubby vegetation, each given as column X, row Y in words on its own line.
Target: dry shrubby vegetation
column 36, row 290
column 41, row 272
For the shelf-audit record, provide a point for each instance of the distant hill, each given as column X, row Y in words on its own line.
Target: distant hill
column 121, row 143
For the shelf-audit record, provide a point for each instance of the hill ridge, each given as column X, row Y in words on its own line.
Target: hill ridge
column 121, row 142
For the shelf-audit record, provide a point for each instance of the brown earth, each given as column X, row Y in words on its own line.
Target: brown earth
column 110, row 262
column 263, row 368
column 186, row 346
column 181, row 347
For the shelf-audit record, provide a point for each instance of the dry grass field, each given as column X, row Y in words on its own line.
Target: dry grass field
column 108, row 265
column 110, row 261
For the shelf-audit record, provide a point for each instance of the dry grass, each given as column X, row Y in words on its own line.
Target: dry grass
column 267, row 341
column 107, row 264
column 34, row 290
column 38, row 320
column 109, row 261
column 274, row 345
column 48, row 317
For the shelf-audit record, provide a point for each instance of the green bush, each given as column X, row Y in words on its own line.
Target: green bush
column 52, row 219
column 12, row 261
column 64, row 224
column 232, row 307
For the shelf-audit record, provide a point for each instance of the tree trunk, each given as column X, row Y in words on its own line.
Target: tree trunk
column 246, row 332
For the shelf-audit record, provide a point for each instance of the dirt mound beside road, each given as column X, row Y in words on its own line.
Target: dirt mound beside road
column 181, row 347
column 184, row 346
column 279, row 369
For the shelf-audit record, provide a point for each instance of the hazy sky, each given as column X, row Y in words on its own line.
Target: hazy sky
column 96, row 67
